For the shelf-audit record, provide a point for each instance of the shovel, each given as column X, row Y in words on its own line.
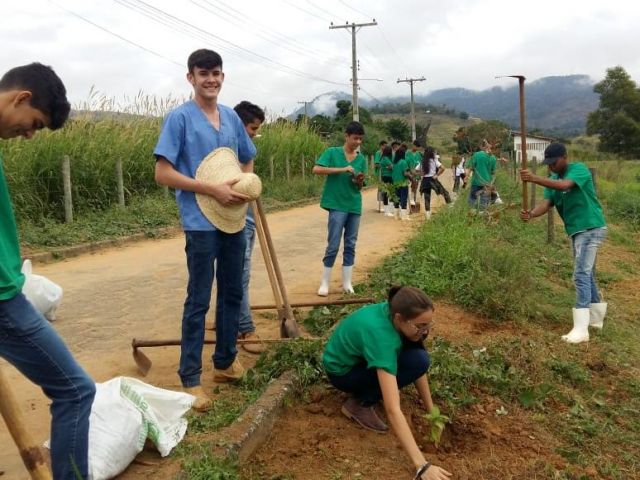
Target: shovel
column 144, row 363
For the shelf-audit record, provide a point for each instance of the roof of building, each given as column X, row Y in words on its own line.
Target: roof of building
column 538, row 137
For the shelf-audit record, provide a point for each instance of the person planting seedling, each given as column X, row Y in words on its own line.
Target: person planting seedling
column 570, row 189
column 375, row 352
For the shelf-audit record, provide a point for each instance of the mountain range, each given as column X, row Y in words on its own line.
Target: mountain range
column 557, row 105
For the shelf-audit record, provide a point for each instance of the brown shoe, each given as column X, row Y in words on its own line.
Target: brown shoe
column 234, row 373
column 366, row 417
column 256, row 348
column 202, row 402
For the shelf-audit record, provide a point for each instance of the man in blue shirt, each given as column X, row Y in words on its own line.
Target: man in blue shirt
column 189, row 133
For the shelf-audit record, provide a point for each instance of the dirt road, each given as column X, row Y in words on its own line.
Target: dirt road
column 138, row 290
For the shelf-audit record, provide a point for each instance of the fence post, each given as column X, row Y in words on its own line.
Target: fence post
column 551, row 232
column 66, row 180
column 271, row 169
column 286, row 166
column 534, row 168
column 303, row 167
column 120, row 182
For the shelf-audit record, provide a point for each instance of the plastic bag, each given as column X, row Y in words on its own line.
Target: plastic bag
column 125, row 412
column 43, row 294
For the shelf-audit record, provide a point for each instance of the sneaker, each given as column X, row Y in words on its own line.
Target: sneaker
column 202, row 403
column 232, row 374
column 366, row 417
column 256, row 348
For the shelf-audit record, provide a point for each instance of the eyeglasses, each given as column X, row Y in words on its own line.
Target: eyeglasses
column 425, row 329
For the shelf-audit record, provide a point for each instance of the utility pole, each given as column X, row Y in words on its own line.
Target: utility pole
column 411, row 81
column 305, row 108
column 354, row 60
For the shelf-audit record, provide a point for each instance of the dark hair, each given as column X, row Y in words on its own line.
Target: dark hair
column 383, row 142
column 47, row 90
column 408, row 302
column 203, row 58
column 394, row 143
column 248, row 112
column 354, row 128
column 387, row 151
column 417, row 143
column 427, row 158
column 400, row 155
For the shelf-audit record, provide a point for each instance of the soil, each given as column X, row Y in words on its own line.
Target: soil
column 137, row 291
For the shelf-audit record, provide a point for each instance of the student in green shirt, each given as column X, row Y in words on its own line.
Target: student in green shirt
column 386, row 172
column 482, row 165
column 345, row 168
column 414, row 159
column 401, row 175
column 377, row 157
column 375, row 352
column 570, row 189
column 33, row 97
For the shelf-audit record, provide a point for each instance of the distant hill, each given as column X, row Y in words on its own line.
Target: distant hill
column 557, row 105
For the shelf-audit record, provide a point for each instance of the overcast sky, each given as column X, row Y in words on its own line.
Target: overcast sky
column 279, row 52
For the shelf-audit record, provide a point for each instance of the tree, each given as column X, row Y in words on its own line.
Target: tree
column 344, row 109
column 398, row 129
column 617, row 119
column 494, row 131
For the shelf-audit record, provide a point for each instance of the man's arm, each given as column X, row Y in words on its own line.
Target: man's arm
column 169, row 176
column 320, row 170
column 527, row 176
column 540, row 209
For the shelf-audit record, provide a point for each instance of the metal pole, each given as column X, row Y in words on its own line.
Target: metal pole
column 120, row 181
column 66, row 181
column 523, row 137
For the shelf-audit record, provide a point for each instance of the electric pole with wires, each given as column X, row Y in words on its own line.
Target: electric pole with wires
column 411, row 81
column 354, row 60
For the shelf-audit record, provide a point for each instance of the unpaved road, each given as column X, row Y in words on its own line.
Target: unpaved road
column 138, row 290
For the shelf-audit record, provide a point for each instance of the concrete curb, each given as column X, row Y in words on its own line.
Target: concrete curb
column 76, row 250
column 244, row 436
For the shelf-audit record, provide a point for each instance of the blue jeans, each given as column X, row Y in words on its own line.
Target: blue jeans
column 403, row 195
column 363, row 383
column 246, row 322
column 478, row 198
column 585, row 248
column 210, row 253
column 339, row 222
column 30, row 344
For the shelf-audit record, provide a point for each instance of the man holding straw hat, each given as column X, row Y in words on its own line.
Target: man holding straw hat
column 209, row 184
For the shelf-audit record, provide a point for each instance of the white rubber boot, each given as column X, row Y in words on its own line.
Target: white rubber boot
column 404, row 215
column 396, row 213
column 346, row 279
column 388, row 210
column 580, row 331
column 323, row 291
column 597, row 311
column 427, row 214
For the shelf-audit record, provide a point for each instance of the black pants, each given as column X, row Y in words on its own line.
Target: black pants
column 385, row 195
column 431, row 183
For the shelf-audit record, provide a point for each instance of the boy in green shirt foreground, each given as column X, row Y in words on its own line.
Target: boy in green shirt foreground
column 570, row 188
column 33, row 97
column 345, row 168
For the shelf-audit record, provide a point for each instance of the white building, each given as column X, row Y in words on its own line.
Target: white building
column 535, row 147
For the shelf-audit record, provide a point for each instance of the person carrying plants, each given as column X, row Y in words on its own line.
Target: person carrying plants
column 401, row 175
column 345, row 168
column 252, row 117
column 431, row 170
column 414, row 159
column 190, row 133
column 33, row 97
column 386, row 176
column 378, row 350
column 482, row 165
column 570, row 189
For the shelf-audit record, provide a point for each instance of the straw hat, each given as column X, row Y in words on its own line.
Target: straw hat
column 220, row 166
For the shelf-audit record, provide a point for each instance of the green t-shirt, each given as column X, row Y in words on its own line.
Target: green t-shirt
column 366, row 336
column 578, row 206
column 398, row 173
column 11, row 278
column 376, row 162
column 339, row 192
column 414, row 160
column 483, row 166
column 387, row 166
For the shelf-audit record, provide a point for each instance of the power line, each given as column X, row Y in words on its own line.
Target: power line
column 291, row 4
column 355, row 10
column 170, row 21
column 411, row 81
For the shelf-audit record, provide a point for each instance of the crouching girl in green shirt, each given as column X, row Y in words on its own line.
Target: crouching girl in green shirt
column 376, row 351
